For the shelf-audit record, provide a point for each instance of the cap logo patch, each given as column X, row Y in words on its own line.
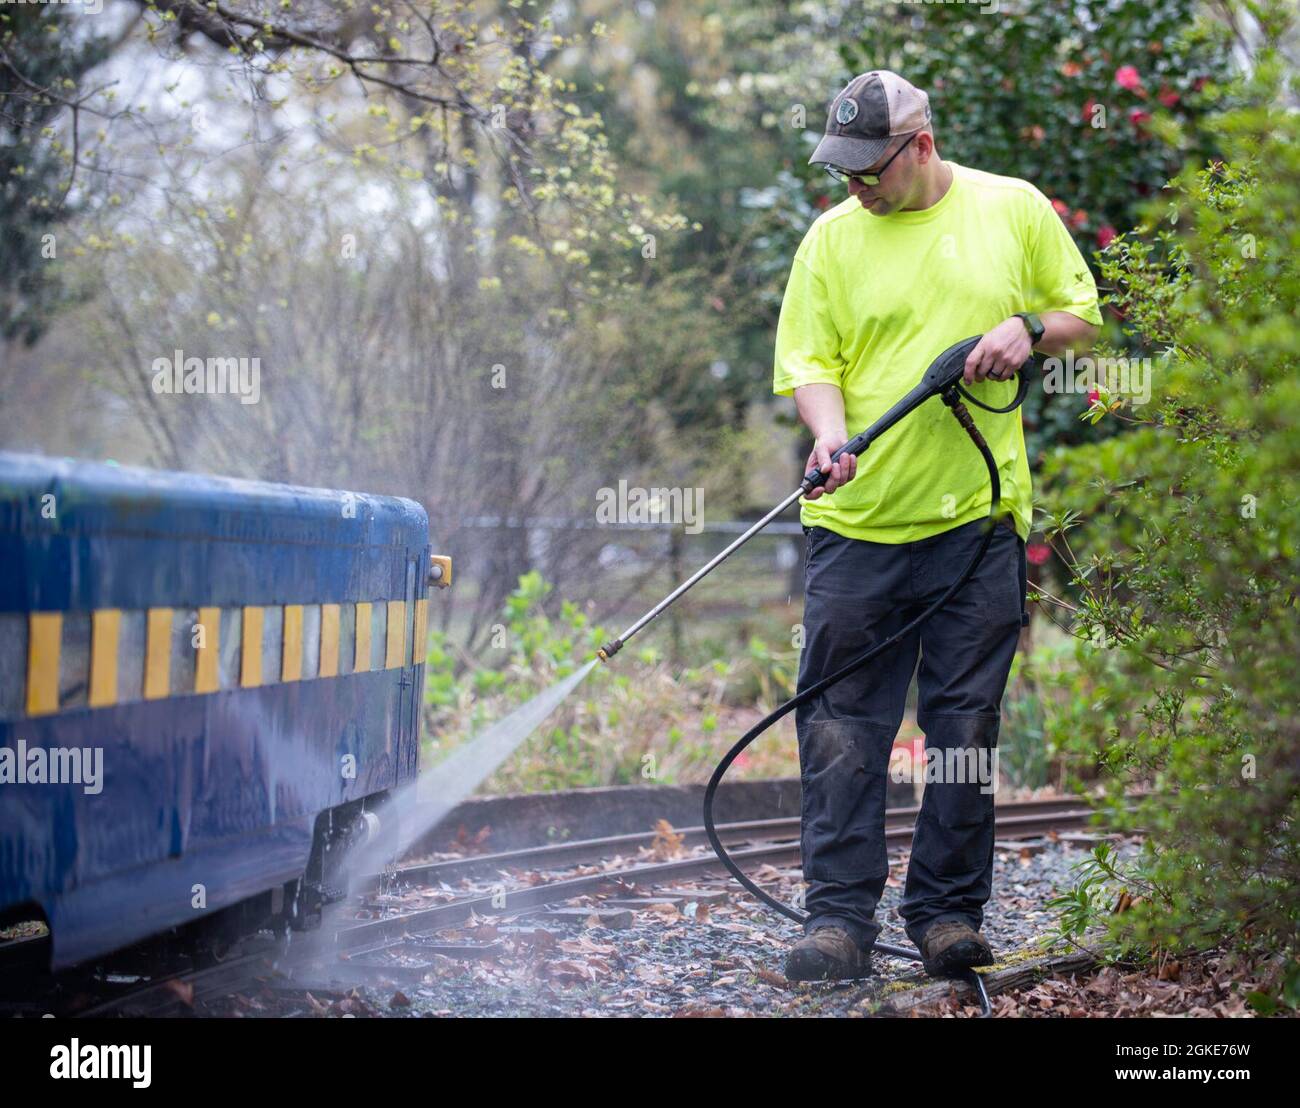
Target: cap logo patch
column 847, row 112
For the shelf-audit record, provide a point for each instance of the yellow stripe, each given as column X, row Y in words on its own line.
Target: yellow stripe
column 420, row 648
column 291, row 654
column 329, row 640
column 250, row 663
column 361, row 663
column 158, row 654
column 44, row 636
column 395, row 649
column 206, row 677
column 105, row 631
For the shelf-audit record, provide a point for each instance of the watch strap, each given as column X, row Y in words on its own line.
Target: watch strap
column 1033, row 324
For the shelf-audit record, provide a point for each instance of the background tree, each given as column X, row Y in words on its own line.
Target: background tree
column 43, row 59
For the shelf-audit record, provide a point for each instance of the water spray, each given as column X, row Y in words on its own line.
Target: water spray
column 418, row 807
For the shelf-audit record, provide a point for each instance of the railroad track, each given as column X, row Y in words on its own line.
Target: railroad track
column 403, row 944
column 776, row 841
column 594, row 850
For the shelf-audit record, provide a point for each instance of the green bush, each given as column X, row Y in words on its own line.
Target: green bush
column 1182, row 536
column 1067, row 96
column 1063, row 95
column 1057, row 690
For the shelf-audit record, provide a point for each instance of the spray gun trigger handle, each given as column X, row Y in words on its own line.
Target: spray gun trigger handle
column 815, row 478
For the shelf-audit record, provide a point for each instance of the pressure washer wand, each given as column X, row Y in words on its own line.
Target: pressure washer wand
column 611, row 648
column 944, row 372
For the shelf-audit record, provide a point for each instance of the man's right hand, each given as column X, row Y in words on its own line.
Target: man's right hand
column 842, row 472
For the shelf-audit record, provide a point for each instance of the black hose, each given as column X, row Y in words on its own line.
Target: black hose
column 952, row 399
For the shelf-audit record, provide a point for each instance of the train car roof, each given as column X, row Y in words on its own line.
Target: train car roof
column 58, row 516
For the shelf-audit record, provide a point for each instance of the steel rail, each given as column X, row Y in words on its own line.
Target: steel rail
column 583, row 850
column 512, row 902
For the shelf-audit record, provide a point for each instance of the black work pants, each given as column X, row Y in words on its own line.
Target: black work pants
column 856, row 594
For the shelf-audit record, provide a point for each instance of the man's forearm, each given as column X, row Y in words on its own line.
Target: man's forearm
column 1064, row 331
column 821, row 407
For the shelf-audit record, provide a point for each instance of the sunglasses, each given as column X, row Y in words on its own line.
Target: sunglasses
column 873, row 178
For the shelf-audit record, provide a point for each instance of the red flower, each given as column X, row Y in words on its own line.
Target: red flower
column 1168, row 97
column 1200, row 83
column 1094, row 396
column 1138, row 117
column 1126, row 76
column 823, row 202
column 1079, row 218
column 1061, row 208
column 1037, row 553
column 1071, row 69
column 1088, row 107
column 1105, row 233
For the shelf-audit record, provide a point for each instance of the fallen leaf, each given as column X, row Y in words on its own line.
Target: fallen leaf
column 182, row 990
column 666, row 843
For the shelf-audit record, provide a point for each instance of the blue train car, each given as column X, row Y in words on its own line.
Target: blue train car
column 203, row 683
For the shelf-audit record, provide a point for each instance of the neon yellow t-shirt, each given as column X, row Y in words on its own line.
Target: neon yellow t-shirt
column 873, row 300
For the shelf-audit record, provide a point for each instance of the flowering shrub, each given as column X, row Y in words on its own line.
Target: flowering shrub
column 1061, row 94
column 1065, row 96
column 1182, row 538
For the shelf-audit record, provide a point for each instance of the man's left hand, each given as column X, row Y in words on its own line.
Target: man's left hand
column 1000, row 353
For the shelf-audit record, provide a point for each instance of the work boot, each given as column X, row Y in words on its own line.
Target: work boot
column 827, row 954
column 951, row 946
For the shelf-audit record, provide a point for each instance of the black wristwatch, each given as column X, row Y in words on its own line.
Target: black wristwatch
column 1034, row 325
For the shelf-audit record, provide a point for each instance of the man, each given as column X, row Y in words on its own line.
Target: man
column 922, row 253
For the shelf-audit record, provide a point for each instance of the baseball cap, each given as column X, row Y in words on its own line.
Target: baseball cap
column 865, row 114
